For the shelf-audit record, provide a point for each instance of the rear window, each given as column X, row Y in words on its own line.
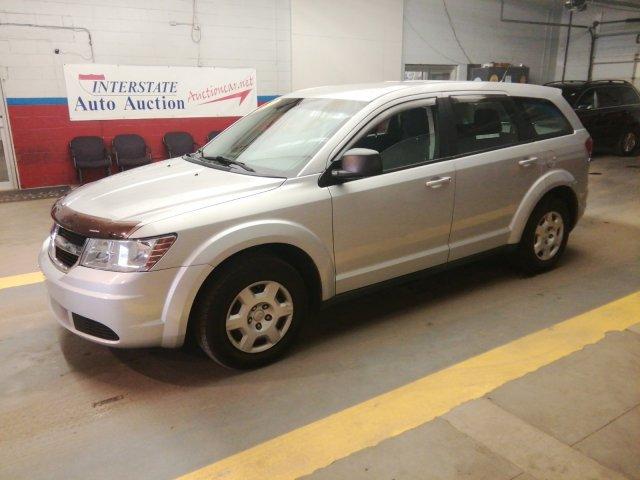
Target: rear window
column 609, row 97
column 545, row 118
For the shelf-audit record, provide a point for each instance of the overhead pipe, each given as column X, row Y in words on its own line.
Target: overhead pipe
column 54, row 27
column 617, row 34
column 592, row 50
column 531, row 22
column 566, row 46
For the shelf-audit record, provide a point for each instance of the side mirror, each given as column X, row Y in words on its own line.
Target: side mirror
column 355, row 163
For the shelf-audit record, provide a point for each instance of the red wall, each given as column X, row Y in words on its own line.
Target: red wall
column 41, row 135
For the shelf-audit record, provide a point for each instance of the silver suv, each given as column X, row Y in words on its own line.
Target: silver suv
column 320, row 192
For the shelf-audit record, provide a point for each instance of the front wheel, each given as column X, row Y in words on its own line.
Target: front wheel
column 250, row 313
column 544, row 237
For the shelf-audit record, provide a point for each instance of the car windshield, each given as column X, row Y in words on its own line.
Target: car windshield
column 570, row 92
column 279, row 138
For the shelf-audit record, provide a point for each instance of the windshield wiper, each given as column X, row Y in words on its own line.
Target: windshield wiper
column 223, row 160
column 229, row 161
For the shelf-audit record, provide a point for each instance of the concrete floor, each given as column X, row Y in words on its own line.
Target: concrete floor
column 68, row 407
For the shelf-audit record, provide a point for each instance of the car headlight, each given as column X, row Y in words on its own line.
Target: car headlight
column 125, row 255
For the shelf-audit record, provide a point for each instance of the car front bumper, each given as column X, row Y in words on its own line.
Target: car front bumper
column 134, row 305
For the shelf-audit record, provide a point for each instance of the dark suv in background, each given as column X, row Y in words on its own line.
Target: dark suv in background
column 609, row 110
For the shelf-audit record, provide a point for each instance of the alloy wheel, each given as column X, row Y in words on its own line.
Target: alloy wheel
column 259, row 316
column 629, row 142
column 548, row 237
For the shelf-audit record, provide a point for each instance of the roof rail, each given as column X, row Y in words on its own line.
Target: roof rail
column 565, row 81
column 622, row 82
column 588, row 82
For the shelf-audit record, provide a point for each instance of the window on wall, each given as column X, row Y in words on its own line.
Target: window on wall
column 429, row 72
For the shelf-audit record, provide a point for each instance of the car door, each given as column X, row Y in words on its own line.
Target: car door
column 493, row 171
column 397, row 222
column 611, row 119
column 591, row 117
column 631, row 102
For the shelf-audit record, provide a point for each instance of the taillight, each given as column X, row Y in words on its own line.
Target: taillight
column 589, row 146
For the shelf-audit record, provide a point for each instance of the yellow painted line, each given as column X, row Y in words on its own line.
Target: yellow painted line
column 306, row 449
column 20, row 280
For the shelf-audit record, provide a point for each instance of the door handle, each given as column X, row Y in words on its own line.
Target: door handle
column 526, row 162
column 438, row 182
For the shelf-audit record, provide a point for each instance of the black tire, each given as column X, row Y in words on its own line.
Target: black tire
column 628, row 143
column 215, row 300
column 525, row 255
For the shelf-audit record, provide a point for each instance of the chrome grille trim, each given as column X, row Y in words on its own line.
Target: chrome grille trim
column 65, row 247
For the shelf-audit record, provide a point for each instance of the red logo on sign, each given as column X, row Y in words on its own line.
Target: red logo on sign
column 241, row 95
column 90, row 76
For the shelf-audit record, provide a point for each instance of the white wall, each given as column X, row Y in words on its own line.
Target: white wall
column 608, row 49
column 345, row 41
column 254, row 33
column 428, row 38
column 327, row 41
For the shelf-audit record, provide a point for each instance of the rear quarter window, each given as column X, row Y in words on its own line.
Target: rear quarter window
column 546, row 120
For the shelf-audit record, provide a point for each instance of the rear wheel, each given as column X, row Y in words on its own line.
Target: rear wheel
column 628, row 143
column 251, row 312
column 545, row 236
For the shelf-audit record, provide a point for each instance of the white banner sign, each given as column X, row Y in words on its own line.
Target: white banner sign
column 107, row 92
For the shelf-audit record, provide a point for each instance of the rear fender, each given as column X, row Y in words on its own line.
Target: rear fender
column 539, row 189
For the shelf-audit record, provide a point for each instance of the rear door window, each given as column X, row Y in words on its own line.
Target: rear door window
column 608, row 97
column 483, row 123
column 544, row 117
column 629, row 96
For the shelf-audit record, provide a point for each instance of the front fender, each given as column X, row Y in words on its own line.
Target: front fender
column 549, row 181
column 226, row 243
column 252, row 234
column 255, row 233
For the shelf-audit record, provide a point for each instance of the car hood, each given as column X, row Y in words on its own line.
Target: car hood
column 162, row 190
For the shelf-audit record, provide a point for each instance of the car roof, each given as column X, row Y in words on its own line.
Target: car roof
column 367, row 92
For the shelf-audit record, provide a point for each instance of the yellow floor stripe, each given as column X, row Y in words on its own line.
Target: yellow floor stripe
column 20, row 280
column 316, row 445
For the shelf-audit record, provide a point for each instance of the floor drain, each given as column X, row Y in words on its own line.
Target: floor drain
column 595, row 173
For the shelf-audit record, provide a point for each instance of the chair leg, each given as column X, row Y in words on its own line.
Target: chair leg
column 80, row 175
column 108, row 171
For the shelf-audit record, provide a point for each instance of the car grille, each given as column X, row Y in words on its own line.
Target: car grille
column 66, row 258
column 65, row 252
column 93, row 328
column 73, row 237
